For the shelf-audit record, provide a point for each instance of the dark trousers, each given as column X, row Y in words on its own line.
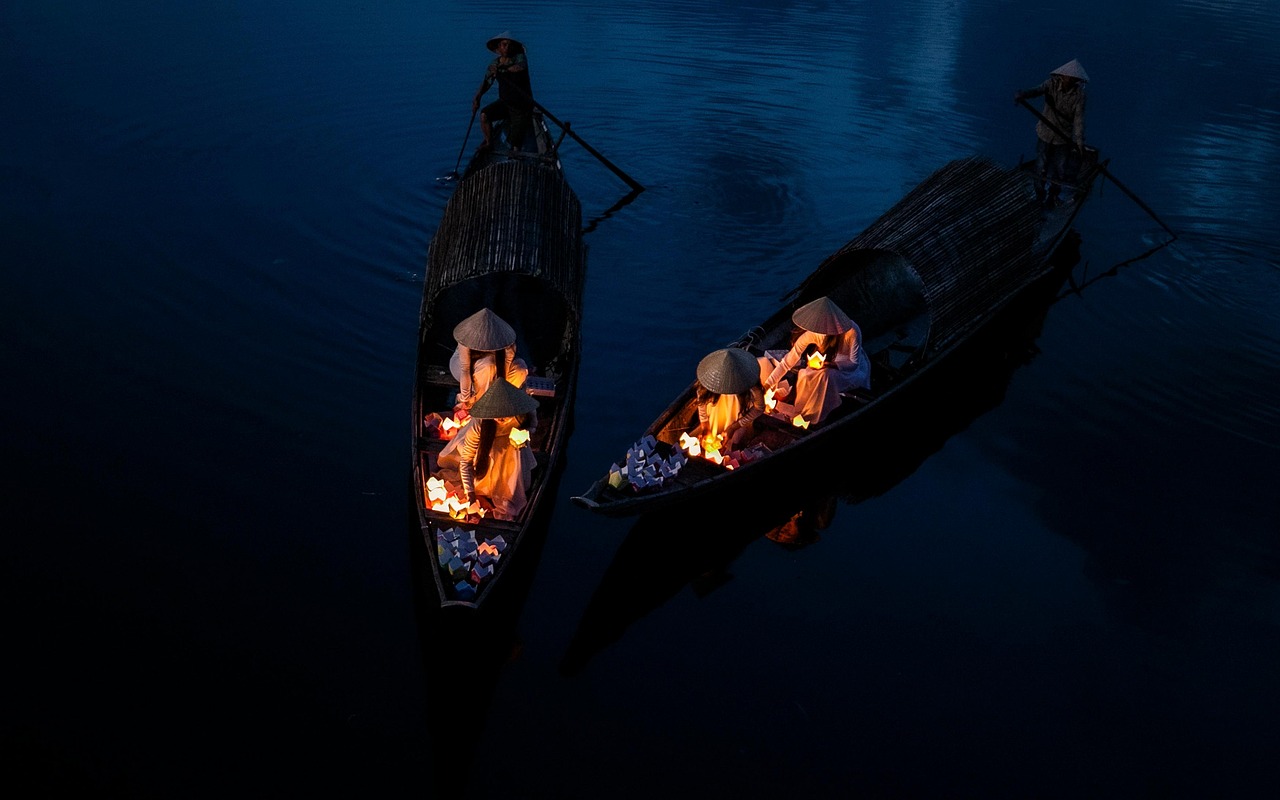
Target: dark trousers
column 515, row 120
column 1056, row 165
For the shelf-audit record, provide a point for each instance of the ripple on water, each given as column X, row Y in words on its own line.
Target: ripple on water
column 1195, row 349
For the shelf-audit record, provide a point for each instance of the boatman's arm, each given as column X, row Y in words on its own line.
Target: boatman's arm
column 1034, row 91
column 484, row 87
column 489, row 75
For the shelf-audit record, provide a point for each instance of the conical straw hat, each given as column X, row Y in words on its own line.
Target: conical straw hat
column 1072, row 69
column 484, row 330
column 822, row 316
column 492, row 44
column 502, row 399
column 729, row 371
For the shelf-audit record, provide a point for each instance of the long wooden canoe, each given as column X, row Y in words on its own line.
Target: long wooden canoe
column 919, row 281
column 510, row 240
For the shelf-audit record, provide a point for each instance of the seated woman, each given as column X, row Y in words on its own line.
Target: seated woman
column 489, row 464
column 729, row 396
column 486, row 347
column 827, row 357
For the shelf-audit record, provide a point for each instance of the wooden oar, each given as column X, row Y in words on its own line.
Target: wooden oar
column 565, row 127
column 1102, row 167
column 454, row 175
column 612, row 168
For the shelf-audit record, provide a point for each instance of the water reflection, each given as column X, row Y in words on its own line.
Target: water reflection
column 464, row 650
column 622, row 203
column 795, row 507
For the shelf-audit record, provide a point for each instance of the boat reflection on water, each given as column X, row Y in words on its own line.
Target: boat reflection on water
column 464, row 649
column 793, row 508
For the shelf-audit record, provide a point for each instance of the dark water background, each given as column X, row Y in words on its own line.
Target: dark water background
column 1063, row 579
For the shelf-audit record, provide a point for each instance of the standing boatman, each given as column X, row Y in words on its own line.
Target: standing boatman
column 515, row 94
column 1064, row 98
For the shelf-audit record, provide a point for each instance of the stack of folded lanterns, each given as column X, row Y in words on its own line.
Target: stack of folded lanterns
column 643, row 467
column 470, row 562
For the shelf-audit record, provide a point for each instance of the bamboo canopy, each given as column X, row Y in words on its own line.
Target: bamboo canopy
column 970, row 232
column 518, row 217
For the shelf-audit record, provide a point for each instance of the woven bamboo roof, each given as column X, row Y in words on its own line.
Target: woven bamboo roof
column 518, row 217
column 969, row 231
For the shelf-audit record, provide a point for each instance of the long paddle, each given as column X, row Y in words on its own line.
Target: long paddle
column 453, row 175
column 565, row 127
column 1101, row 166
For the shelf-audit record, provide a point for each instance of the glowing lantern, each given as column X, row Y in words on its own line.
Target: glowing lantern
column 519, row 437
column 799, row 421
column 690, row 444
column 712, row 441
column 817, row 360
column 441, row 499
column 437, row 492
column 449, row 427
column 770, row 401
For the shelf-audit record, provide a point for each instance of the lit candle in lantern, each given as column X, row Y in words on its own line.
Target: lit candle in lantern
column 800, row 422
column 519, row 437
column 770, row 401
column 713, row 441
column 817, row 360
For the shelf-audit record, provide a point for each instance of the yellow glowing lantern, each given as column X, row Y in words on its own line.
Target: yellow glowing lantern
column 817, row 360
column 519, row 437
column 441, row 498
column 799, row 421
column 770, row 401
column 713, row 441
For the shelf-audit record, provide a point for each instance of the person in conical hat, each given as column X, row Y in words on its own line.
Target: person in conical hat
column 1072, row 69
column 489, row 464
column 486, row 348
column 503, row 399
column 729, row 396
column 515, row 92
column 1060, row 134
column 822, row 316
column 826, row 356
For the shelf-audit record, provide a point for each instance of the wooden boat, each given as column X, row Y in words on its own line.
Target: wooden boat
column 669, row 551
column 919, row 281
column 510, row 240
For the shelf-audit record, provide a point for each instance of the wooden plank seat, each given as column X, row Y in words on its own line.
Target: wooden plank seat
column 436, row 375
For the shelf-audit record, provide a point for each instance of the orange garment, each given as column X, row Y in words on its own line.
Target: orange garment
column 818, row 391
column 473, row 381
column 510, row 473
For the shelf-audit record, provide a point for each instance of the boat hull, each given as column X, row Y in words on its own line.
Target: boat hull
column 510, row 240
column 922, row 280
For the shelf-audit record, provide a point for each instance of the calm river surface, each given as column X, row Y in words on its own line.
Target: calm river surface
column 1062, row 578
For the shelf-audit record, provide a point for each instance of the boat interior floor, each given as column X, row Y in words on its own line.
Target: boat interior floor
column 894, row 347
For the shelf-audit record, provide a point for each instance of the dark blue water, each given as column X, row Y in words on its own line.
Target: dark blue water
column 1060, row 579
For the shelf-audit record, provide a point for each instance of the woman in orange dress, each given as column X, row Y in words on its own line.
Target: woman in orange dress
column 486, row 348
column 827, row 358
column 493, row 466
column 729, row 396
